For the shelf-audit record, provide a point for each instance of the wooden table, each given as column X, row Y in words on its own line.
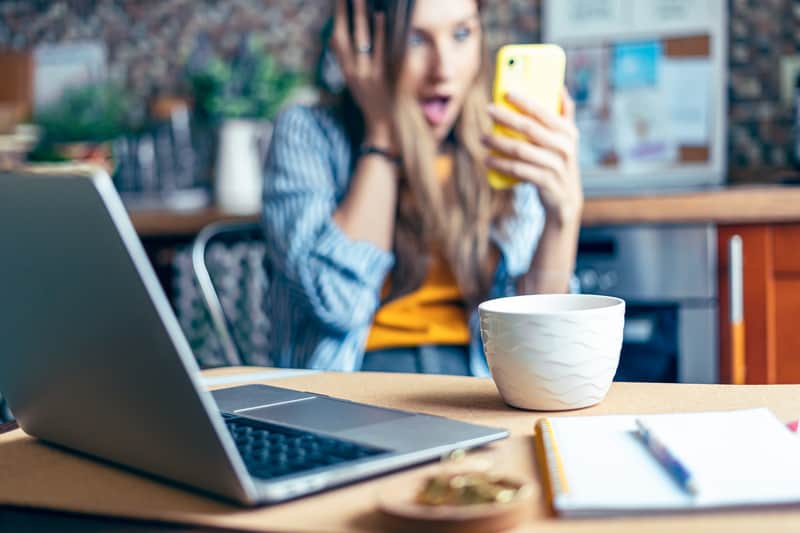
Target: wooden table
column 110, row 491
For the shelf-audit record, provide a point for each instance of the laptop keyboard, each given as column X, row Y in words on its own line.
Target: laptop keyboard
column 271, row 451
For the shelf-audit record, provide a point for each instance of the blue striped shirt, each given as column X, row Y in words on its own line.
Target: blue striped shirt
column 324, row 286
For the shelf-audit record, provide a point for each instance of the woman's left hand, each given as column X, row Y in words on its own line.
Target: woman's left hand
column 547, row 156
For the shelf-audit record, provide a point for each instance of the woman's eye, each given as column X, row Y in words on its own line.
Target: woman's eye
column 415, row 39
column 462, row 34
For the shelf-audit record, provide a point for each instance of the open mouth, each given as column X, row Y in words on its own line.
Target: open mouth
column 435, row 108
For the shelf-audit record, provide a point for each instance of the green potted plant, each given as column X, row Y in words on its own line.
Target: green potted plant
column 239, row 98
column 250, row 86
column 80, row 124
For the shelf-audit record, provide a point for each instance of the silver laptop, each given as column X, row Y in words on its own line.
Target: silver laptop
column 93, row 359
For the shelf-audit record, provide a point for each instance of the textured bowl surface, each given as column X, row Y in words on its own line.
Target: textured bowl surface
column 553, row 352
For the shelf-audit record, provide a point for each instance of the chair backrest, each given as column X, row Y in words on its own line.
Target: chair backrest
column 228, row 263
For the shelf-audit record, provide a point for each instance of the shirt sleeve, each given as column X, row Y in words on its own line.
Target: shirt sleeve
column 516, row 239
column 339, row 279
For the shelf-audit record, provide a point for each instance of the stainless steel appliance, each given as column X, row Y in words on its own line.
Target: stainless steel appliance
column 667, row 275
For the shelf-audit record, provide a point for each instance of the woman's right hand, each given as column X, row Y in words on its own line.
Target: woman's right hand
column 362, row 64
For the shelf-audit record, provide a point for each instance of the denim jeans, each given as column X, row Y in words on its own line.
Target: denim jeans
column 425, row 359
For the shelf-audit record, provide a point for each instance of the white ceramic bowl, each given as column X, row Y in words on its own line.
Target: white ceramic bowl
column 552, row 352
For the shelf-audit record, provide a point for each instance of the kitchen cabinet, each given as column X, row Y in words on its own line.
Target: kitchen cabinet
column 767, row 217
column 771, row 276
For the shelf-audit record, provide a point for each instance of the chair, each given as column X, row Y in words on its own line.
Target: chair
column 228, row 264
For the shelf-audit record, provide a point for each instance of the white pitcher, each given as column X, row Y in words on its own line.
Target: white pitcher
column 239, row 180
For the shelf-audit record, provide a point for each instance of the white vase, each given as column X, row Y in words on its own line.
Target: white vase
column 238, row 180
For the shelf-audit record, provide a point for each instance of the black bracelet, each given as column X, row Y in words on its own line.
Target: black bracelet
column 367, row 149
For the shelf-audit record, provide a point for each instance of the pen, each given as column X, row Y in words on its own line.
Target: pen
column 677, row 470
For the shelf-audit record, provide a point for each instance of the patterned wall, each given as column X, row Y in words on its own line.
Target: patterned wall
column 761, row 32
column 149, row 39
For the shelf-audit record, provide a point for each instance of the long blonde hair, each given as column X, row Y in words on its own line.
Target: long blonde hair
column 458, row 217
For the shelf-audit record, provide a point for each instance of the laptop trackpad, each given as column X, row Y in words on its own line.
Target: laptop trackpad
column 325, row 414
column 248, row 396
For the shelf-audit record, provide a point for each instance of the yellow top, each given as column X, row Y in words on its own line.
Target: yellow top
column 433, row 314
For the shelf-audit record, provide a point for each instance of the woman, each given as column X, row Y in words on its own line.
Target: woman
column 384, row 233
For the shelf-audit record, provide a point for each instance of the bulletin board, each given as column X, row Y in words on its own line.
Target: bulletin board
column 649, row 81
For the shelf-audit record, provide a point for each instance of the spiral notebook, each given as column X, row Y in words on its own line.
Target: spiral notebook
column 598, row 465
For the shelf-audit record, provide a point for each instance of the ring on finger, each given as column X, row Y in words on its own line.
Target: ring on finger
column 365, row 48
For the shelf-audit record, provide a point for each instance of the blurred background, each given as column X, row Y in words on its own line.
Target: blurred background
column 147, row 46
column 176, row 97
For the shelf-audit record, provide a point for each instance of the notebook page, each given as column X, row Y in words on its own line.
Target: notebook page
column 737, row 457
column 608, row 469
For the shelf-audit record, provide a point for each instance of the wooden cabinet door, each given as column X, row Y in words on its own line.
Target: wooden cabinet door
column 771, row 302
column 759, row 302
column 787, row 249
column 786, row 245
column 787, row 329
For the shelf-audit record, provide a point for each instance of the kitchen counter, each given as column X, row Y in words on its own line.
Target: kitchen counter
column 172, row 223
column 740, row 204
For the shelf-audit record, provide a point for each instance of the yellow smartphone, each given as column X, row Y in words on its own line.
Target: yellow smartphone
column 536, row 70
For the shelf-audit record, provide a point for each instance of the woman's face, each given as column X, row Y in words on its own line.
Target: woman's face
column 443, row 59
